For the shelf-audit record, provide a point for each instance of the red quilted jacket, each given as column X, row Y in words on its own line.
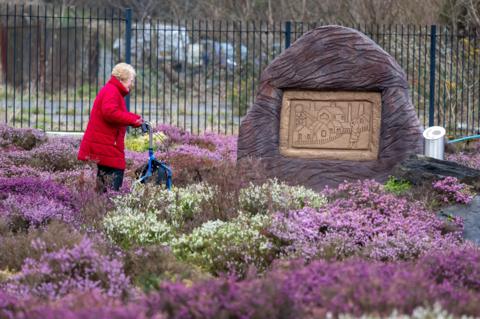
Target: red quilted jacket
column 103, row 141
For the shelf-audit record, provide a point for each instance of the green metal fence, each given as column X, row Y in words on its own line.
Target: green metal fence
column 201, row 74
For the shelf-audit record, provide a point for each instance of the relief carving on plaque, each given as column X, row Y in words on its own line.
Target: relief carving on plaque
column 330, row 125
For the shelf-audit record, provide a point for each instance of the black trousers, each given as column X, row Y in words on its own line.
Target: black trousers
column 109, row 177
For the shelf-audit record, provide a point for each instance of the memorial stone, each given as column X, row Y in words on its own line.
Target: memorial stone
column 332, row 107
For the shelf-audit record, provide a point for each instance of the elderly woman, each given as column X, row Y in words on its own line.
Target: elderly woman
column 103, row 141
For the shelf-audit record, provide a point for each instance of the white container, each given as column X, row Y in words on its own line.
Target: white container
column 434, row 142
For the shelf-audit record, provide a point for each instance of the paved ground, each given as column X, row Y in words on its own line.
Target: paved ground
column 60, row 117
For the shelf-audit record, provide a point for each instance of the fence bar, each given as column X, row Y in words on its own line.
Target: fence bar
column 29, row 64
column 462, row 91
column 288, row 33
column 157, row 111
column 433, row 46
column 128, row 45
column 22, row 17
column 38, row 41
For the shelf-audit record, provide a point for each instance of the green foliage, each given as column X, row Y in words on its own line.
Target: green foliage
column 397, row 186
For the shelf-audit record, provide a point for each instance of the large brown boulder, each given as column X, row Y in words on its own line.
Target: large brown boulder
column 332, row 59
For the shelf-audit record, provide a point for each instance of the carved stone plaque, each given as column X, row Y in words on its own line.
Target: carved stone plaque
column 330, row 125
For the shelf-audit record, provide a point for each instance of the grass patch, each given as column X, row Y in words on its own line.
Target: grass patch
column 397, row 186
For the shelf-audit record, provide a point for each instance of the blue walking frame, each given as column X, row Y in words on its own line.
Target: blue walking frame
column 155, row 168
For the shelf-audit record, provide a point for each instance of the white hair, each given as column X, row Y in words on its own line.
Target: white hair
column 123, row 71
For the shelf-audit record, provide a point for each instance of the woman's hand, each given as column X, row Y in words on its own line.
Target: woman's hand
column 138, row 122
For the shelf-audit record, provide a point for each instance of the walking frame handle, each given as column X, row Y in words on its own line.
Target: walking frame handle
column 147, row 127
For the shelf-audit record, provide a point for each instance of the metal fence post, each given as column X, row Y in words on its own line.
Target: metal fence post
column 288, row 33
column 128, row 45
column 433, row 45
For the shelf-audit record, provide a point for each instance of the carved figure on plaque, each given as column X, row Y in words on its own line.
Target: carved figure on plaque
column 355, row 133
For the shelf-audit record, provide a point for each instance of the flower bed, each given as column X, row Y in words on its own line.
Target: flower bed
column 225, row 242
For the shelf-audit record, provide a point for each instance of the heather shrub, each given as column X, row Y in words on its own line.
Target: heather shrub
column 221, row 145
column 318, row 290
column 27, row 202
column 349, row 289
column 58, row 154
column 8, row 170
column 83, row 177
column 175, row 134
column 190, row 206
column 232, row 246
column 16, row 247
column 7, row 163
column 9, row 305
column 277, row 196
column 13, row 167
column 152, row 215
column 356, row 287
column 55, row 155
column 468, row 154
column 224, row 298
column 471, row 160
column 183, row 204
column 25, row 211
column 24, row 138
column 94, row 209
column 37, row 186
column 92, row 304
column 80, row 268
column 74, row 141
column 224, row 145
column 450, row 190
column 149, row 266
column 362, row 220
column 192, row 156
column 135, row 159
column 233, row 176
column 459, row 266
column 228, row 179
column 127, row 226
column 189, row 161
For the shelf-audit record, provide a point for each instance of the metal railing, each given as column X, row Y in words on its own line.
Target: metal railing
column 201, row 74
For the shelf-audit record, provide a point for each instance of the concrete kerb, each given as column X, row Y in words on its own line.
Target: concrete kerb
column 64, row 134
